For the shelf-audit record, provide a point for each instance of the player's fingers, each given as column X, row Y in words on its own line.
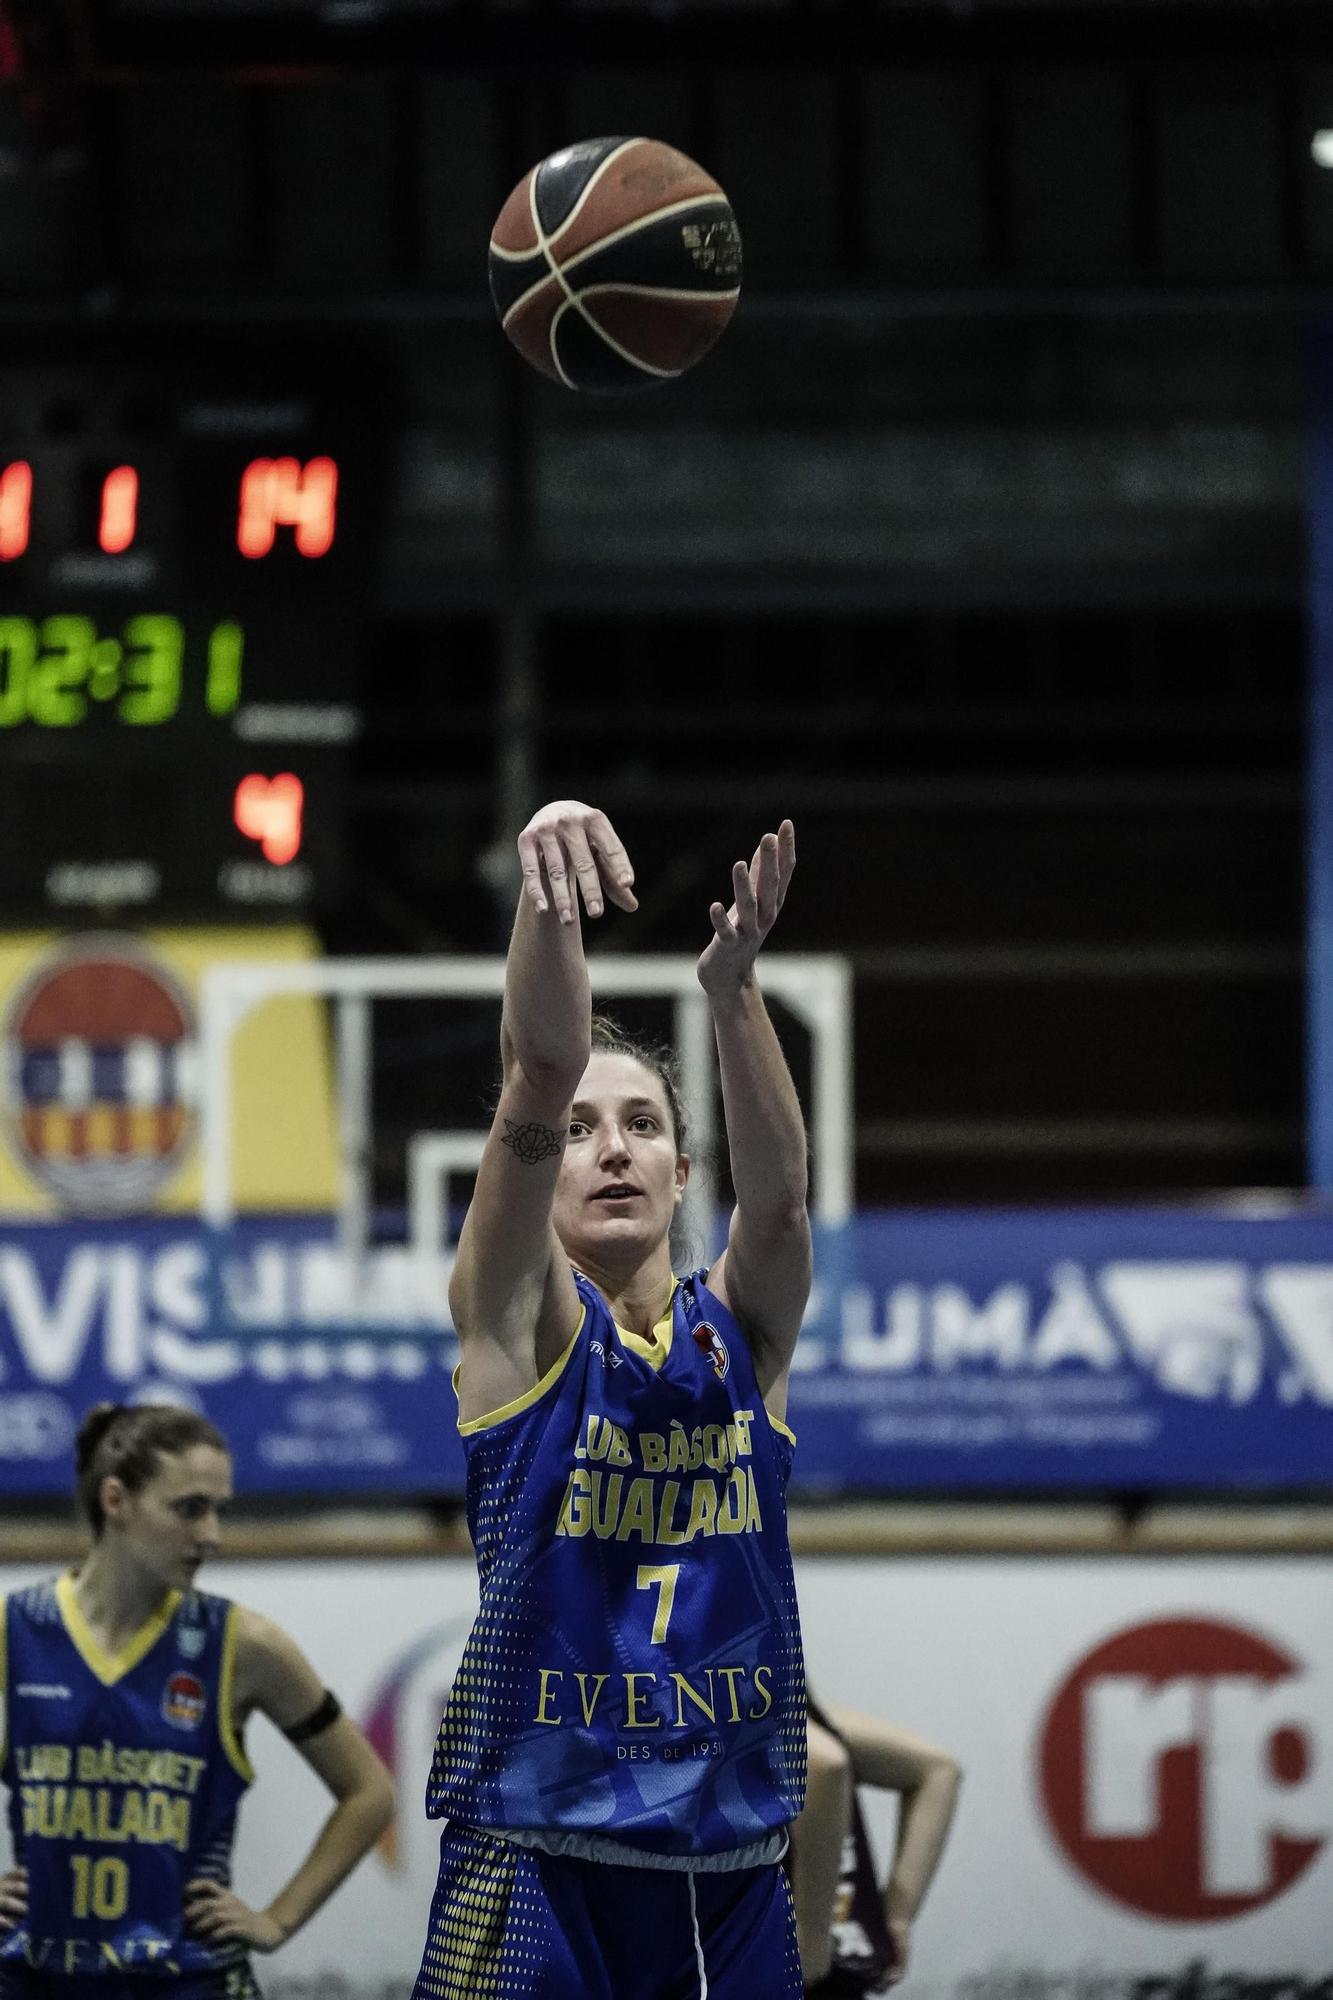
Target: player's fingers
column 747, row 907
column 529, row 857
column 768, row 883
column 584, row 865
column 786, row 858
column 616, row 866
column 557, row 874
column 722, row 923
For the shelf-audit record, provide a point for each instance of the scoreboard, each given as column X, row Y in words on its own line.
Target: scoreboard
column 185, row 549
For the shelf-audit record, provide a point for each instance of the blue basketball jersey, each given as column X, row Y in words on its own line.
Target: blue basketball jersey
column 633, row 1687
column 124, row 1776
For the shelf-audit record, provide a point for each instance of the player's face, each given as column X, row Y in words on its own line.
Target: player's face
column 173, row 1523
column 621, row 1177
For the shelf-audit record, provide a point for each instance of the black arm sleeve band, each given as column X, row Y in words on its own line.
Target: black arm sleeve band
column 317, row 1721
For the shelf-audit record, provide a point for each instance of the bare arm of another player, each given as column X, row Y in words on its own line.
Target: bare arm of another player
column 928, row 1780
column 512, row 1296
column 14, row 1882
column 763, row 1275
column 817, row 1837
column 274, row 1676
column 13, row 1898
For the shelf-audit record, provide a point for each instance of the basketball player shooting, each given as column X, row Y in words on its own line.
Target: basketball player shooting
column 624, row 1744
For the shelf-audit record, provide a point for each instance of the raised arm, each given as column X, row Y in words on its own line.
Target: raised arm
column 512, row 1295
column 764, row 1272
column 274, row 1676
column 928, row 1780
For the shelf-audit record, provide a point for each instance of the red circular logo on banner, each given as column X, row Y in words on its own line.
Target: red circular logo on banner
column 1174, row 1766
column 99, row 1089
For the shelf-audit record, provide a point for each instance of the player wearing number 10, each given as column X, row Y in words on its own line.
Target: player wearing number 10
column 624, row 1743
column 125, row 1694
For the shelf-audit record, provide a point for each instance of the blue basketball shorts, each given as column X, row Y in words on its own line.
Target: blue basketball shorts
column 510, row 1923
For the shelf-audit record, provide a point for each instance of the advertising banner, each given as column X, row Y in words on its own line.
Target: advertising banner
column 321, row 1370
column 1056, row 1350
column 99, row 1077
column 1147, row 1802
column 1117, row 1348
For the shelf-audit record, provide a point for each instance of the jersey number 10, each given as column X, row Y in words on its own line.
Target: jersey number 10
column 101, row 1887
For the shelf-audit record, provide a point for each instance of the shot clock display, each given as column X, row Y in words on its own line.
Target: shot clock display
column 184, row 544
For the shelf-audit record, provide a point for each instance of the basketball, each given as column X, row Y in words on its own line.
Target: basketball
column 614, row 264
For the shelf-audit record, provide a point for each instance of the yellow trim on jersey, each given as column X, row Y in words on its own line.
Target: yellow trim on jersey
column 529, row 1396
column 227, row 1730
column 111, row 1667
column 778, row 1425
column 656, row 1347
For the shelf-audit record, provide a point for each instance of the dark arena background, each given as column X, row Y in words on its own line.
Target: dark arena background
column 993, row 543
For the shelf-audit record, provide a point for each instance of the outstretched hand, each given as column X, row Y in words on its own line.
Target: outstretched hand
column 568, row 839
column 759, row 890
column 218, row 1915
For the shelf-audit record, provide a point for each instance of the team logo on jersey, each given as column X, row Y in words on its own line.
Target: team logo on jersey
column 713, row 1345
column 184, row 1701
column 99, row 1075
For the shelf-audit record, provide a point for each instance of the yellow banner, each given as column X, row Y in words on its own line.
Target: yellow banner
column 99, row 1107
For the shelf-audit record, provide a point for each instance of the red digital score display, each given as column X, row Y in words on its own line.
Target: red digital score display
column 268, row 811
column 15, row 509
column 273, row 493
column 120, row 511
column 281, row 492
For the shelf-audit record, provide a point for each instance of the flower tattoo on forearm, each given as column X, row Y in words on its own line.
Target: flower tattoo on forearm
column 530, row 1143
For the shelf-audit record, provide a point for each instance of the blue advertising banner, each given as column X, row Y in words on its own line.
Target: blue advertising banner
column 1319, row 809
column 1078, row 1349
column 947, row 1352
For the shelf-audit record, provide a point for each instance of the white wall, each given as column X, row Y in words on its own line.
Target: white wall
column 1224, row 1720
